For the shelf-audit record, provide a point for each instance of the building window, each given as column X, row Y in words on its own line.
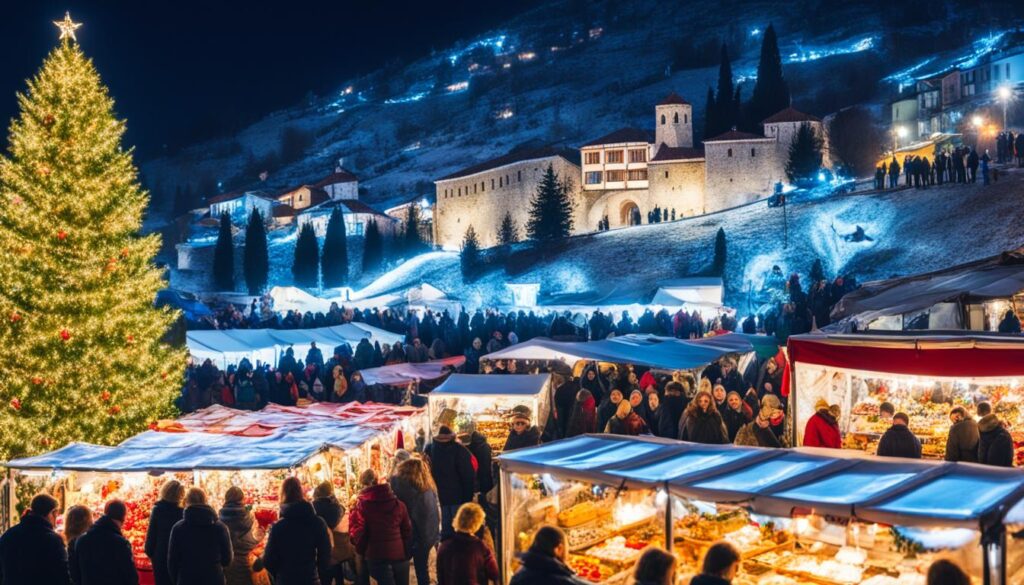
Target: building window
column 492, row 184
column 593, row 158
column 753, row 153
column 995, row 72
column 614, row 156
column 638, row 155
column 519, row 176
column 675, row 117
column 663, row 119
column 686, row 118
column 501, row 181
column 730, row 152
column 357, row 229
column 300, row 197
column 666, row 174
column 592, row 177
column 616, row 176
column 638, row 175
column 474, row 188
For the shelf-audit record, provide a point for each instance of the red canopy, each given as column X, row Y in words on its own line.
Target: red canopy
column 966, row 355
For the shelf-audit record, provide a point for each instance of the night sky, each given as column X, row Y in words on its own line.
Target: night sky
column 187, row 70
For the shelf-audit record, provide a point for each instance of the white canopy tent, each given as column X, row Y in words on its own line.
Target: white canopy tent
column 698, row 291
column 230, row 346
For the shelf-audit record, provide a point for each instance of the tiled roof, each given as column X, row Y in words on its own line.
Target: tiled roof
column 734, row 135
column 283, row 210
column 352, row 205
column 673, row 99
column 225, row 197
column 790, row 114
column 517, row 155
column 336, row 177
column 623, row 135
column 666, row 153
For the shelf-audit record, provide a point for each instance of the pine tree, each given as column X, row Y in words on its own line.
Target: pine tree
column 804, row 154
column 817, row 271
column 508, row 232
column 551, row 208
column 85, row 360
column 373, row 247
column 469, row 258
column 334, row 260
column 413, row 243
column 255, row 260
column 224, row 256
column 725, row 104
column 771, row 92
column 718, row 264
column 306, row 267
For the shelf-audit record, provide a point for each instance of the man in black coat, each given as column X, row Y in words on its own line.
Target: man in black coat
column 962, row 442
column 200, row 546
column 452, row 467
column 104, row 554
column 31, row 553
column 899, row 441
column 995, row 445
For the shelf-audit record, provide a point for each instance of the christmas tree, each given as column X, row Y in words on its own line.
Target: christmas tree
column 334, row 260
column 84, row 357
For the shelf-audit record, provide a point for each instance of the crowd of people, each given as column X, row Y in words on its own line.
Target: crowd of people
column 951, row 165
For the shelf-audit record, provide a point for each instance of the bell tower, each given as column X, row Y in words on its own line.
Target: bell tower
column 673, row 122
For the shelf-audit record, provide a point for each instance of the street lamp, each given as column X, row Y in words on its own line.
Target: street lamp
column 900, row 132
column 977, row 121
column 1005, row 93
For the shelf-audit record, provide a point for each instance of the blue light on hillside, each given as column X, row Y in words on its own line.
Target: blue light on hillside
column 981, row 47
column 495, row 43
column 803, row 55
column 907, row 76
column 755, row 31
column 413, row 97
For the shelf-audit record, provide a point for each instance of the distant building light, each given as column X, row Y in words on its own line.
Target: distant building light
column 527, row 56
column 458, row 86
column 596, row 32
column 424, row 203
column 473, row 66
column 755, row 31
column 507, row 66
column 348, row 90
column 821, row 176
column 504, row 114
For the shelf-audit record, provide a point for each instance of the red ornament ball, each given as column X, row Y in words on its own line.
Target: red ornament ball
column 163, row 375
column 15, row 317
column 105, row 396
column 48, row 120
column 130, row 339
column 65, row 334
column 62, row 235
column 37, row 380
column 15, row 404
column 115, row 410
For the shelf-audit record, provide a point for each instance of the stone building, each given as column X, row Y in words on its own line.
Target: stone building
column 425, row 209
column 480, row 195
column 740, row 167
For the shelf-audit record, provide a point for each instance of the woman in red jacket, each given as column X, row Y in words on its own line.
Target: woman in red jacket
column 381, row 531
column 464, row 559
column 822, row 428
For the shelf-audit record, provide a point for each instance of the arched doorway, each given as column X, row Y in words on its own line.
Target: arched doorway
column 629, row 214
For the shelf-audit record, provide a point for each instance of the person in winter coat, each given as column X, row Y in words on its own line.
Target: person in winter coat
column 544, row 562
column 31, row 553
column 104, row 554
column 606, row 410
column 464, row 559
column 77, row 521
column 758, row 432
column 452, row 468
column 1010, row 323
column 655, row 413
column 626, row 422
column 584, row 415
column 523, row 433
column 299, row 546
column 244, row 534
column 414, row 486
column 565, row 399
column 592, row 381
column 822, row 429
column 898, row 440
column 673, row 403
column 478, row 448
column 735, row 414
column 638, row 404
column 339, row 385
column 701, row 423
column 472, row 365
column 995, row 445
column 962, row 442
column 721, row 562
column 166, row 513
column 381, row 531
column 327, row 507
column 200, row 545
column 656, row 566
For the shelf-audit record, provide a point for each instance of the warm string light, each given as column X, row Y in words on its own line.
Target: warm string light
column 84, row 357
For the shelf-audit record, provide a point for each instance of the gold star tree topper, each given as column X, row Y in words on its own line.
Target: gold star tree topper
column 67, row 27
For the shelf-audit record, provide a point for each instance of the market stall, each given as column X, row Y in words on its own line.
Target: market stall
column 488, row 401
column 217, row 448
column 800, row 516
column 924, row 376
column 390, row 384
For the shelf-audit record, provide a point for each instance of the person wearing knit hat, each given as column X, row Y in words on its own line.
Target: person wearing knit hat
column 822, row 428
column 523, row 433
column 759, row 432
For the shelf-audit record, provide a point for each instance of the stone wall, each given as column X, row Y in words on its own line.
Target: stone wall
column 482, row 199
column 678, row 185
column 739, row 172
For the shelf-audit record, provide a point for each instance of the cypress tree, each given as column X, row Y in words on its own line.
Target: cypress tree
column 718, row 264
column 804, row 154
column 306, row 266
column 373, row 247
column 469, row 258
column 413, row 243
column 771, row 92
column 334, row 260
column 725, row 97
column 508, row 232
column 710, row 116
column 550, row 208
column 255, row 260
column 224, row 257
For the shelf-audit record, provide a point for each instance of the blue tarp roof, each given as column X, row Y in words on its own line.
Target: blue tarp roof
column 778, row 481
column 486, row 385
column 161, row 451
